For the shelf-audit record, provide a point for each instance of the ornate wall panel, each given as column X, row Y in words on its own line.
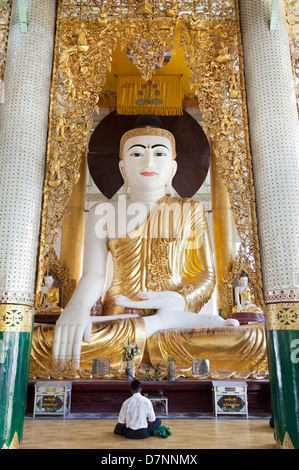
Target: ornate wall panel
column 292, row 14
column 209, row 33
column 5, row 12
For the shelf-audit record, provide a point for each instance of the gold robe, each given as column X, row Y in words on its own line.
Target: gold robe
column 171, row 250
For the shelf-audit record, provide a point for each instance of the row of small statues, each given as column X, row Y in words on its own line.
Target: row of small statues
column 50, row 298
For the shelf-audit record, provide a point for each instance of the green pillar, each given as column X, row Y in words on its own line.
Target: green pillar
column 16, row 323
column 283, row 352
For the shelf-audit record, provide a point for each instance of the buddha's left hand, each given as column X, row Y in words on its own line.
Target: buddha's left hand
column 154, row 300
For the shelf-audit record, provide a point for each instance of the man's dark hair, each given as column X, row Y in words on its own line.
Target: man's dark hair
column 135, row 385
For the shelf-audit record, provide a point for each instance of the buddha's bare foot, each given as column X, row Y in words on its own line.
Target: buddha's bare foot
column 231, row 322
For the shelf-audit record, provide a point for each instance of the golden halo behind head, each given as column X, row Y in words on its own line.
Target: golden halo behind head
column 148, row 130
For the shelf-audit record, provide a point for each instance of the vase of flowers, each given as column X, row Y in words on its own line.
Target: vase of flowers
column 131, row 350
column 130, row 370
column 157, row 372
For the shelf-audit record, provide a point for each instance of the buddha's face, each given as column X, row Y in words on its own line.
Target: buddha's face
column 48, row 280
column 148, row 162
column 243, row 281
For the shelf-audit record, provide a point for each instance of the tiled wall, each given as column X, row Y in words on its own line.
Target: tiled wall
column 23, row 135
column 274, row 136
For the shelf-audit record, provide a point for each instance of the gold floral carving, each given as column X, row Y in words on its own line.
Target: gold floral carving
column 282, row 316
column 217, row 73
column 158, row 267
column 209, row 33
column 16, row 318
column 15, row 444
column 292, row 15
column 5, row 13
column 286, row 443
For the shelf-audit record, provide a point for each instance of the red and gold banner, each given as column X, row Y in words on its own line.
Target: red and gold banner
column 160, row 95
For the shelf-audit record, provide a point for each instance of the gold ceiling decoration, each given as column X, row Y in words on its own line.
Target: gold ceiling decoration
column 149, row 42
column 209, row 33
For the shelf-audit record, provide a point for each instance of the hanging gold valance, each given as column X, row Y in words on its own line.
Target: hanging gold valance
column 160, row 95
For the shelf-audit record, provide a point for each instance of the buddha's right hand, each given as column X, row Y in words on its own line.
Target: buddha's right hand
column 70, row 329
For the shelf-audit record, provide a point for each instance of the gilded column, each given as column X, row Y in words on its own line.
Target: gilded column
column 274, row 134
column 23, row 135
column 224, row 231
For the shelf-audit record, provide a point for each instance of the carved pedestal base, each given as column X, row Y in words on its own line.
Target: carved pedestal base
column 248, row 317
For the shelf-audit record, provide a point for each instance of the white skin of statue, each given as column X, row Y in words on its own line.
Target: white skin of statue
column 49, row 281
column 243, row 282
column 148, row 168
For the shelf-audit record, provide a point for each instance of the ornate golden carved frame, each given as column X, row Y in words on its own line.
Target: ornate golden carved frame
column 209, row 32
column 292, row 15
column 5, row 14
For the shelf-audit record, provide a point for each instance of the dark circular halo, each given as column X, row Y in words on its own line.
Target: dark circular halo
column 192, row 147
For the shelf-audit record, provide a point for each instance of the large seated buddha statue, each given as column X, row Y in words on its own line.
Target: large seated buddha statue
column 162, row 266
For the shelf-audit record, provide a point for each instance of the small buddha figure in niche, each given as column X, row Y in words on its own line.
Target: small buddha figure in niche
column 49, row 297
column 243, row 297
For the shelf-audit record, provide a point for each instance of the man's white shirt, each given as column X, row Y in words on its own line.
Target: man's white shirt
column 136, row 411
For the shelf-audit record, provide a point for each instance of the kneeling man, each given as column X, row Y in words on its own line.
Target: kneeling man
column 137, row 418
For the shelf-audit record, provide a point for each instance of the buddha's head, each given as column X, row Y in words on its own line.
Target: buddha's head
column 147, row 158
column 243, row 281
column 48, row 280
